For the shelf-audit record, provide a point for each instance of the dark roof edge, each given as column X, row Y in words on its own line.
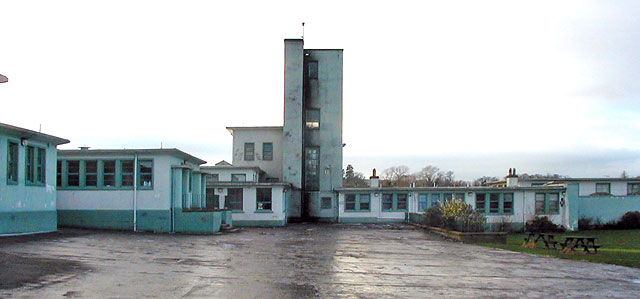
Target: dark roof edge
column 33, row 134
column 165, row 151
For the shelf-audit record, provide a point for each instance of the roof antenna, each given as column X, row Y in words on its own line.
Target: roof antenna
column 302, row 30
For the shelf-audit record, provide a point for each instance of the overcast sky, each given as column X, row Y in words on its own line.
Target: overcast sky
column 474, row 87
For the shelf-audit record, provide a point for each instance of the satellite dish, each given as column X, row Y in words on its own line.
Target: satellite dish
column 3, row 79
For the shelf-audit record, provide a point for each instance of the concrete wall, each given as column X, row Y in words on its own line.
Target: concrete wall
column 586, row 188
column 250, row 215
column 602, row 208
column 224, row 174
column 27, row 208
column 113, row 208
column 259, row 136
column 325, row 94
column 293, row 98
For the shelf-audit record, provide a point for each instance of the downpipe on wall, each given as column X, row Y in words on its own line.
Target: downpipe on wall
column 135, row 192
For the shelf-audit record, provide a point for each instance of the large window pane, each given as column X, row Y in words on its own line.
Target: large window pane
column 249, row 151
column 603, row 188
column 267, row 151
column 127, row 172
column 387, row 202
column 312, row 118
column 402, row 202
column 422, row 202
column 554, row 203
column 12, row 163
column 435, row 200
column 494, row 203
column 234, row 199
column 29, row 164
column 350, row 202
column 480, row 202
column 73, row 173
column 109, row 173
column 41, row 165
column 263, row 198
column 91, row 173
column 507, row 204
column 365, row 202
column 238, row 177
column 59, row 173
column 540, row 197
column 146, row 173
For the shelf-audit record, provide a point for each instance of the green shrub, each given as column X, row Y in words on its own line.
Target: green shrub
column 542, row 225
column 630, row 220
column 460, row 216
column 585, row 223
column 433, row 217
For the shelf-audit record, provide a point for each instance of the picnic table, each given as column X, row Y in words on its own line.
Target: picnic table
column 573, row 242
column 547, row 239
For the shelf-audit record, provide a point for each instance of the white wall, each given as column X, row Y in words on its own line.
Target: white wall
column 259, row 136
column 375, row 210
column 157, row 199
column 249, row 206
column 224, row 174
column 586, row 188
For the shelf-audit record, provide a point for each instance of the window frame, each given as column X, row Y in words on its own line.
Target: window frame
column 96, row 173
column 603, row 184
column 630, row 188
column 140, row 174
column 233, row 175
column 29, row 165
column 40, row 166
column 123, row 173
column 68, row 174
column 228, row 203
column 422, row 208
column 350, row 199
column 103, row 174
column 547, row 203
column 260, row 192
column 266, row 157
column 384, row 201
column 249, row 155
column 13, row 162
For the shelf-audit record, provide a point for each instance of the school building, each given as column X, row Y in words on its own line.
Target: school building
column 27, row 180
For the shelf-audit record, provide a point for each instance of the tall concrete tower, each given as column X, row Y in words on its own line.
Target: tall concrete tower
column 312, row 133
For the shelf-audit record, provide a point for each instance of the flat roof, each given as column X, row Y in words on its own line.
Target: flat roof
column 214, row 167
column 231, row 129
column 258, row 184
column 453, row 189
column 26, row 133
column 582, row 179
column 114, row 152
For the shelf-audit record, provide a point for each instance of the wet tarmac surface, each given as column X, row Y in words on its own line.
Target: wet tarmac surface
column 300, row 261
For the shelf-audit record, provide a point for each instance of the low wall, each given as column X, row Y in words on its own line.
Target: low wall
column 500, row 238
column 198, row 222
column 607, row 208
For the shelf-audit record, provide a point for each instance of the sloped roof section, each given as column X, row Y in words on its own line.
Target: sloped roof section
column 114, row 152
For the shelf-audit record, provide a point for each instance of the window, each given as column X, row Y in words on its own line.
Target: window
column 603, row 188
column 312, row 162
column 146, row 173
column 401, row 203
column 213, row 177
column 249, row 151
column 494, row 203
column 73, row 173
column 127, row 172
column 554, row 203
column 422, row 202
column 91, row 173
column 312, row 118
column 387, row 202
column 234, row 199
column 263, row 198
column 12, row 163
column 41, row 167
column 540, row 205
column 213, row 200
column 507, row 203
column 326, row 203
column 633, row 189
column 312, row 68
column 29, row 164
column 480, row 200
column 59, row 173
column 448, row 197
column 435, row 200
column 350, row 202
column 109, row 173
column 365, row 202
column 267, row 151
column 238, row 177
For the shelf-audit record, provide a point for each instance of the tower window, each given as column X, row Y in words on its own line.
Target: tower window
column 312, row 68
column 312, row 118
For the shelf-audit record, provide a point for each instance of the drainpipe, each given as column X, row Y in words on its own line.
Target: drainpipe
column 135, row 192
column 524, row 209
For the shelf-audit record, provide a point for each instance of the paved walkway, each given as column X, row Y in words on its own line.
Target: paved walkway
column 330, row 261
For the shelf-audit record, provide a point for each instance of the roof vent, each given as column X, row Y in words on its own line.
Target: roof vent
column 84, row 148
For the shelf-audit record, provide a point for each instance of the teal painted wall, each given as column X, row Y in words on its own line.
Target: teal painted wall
column 197, row 222
column 607, row 208
column 369, row 220
column 260, row 223
column 28, row 222
column 27, row 208
column 148, row 220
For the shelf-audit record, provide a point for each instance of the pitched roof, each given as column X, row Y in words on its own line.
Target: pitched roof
column 29, row 134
